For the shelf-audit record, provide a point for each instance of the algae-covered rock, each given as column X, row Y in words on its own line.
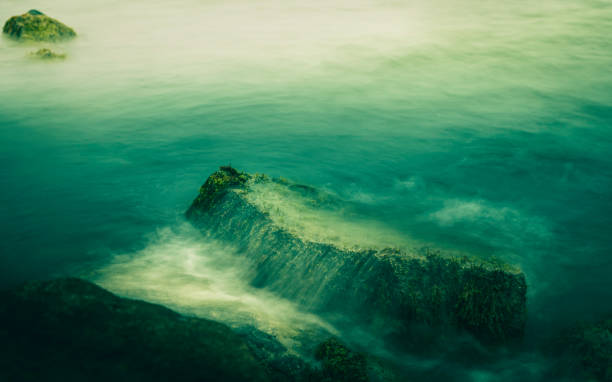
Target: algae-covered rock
column 36, row 26
column 48, row 54
column 302, row 248
column 340, row 363
column 215, row 188
column 72, row 330
column 584, row 350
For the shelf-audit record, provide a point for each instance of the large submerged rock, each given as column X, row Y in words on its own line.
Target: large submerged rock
column 36, row 26
column 306, row 247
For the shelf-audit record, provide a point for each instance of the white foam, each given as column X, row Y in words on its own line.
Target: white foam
column 197, row 276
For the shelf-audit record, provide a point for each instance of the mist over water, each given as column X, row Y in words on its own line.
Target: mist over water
column 481, row 126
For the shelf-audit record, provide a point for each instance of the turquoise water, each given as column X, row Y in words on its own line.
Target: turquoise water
column 483, row 126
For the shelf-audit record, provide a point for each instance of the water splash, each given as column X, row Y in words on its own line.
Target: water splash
column 198, row 276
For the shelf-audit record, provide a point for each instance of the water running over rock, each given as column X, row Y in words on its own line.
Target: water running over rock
column 388, row 288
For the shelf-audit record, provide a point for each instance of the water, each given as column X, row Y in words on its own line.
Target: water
column 208, row 279
column 483, row 127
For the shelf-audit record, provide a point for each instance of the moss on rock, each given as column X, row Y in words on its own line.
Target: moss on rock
column 215, row 187
column 489, row 306
column 36, row 26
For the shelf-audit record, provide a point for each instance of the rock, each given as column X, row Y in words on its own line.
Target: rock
column 47, row 54
column 289, row 233
column 216, row 187
column 340, row 363
column 70, row 329
column 280, row 364
column 36, row 26
column 584, row 350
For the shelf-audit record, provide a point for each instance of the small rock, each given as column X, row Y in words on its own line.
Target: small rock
column 36, row 26
column 47, row 54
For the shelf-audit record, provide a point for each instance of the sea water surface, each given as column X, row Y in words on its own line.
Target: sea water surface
column 480, row 126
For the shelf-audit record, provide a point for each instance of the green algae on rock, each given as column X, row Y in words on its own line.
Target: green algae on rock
column 36, row 26
column 388, row 287
column 47, row 54
column 215, row 187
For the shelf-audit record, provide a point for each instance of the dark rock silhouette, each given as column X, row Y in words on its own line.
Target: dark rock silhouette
column 70, row 329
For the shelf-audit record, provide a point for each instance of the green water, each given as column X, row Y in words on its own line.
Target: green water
column 481, row 126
